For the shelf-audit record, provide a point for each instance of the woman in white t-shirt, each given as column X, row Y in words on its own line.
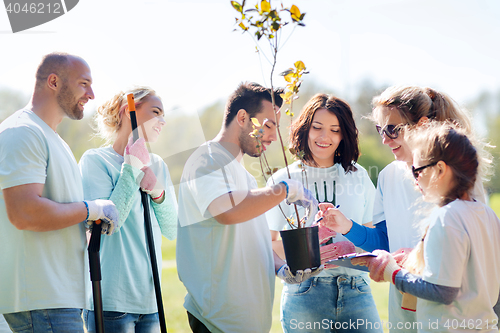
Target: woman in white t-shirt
column 455, row 267
column 338, row 299
column 398, row 205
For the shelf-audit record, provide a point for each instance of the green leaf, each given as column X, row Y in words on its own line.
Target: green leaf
column 237, row 6
column 286, row 72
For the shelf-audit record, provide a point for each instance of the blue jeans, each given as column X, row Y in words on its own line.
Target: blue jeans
column 121, row 322
column 46, row 320
column 329, row 304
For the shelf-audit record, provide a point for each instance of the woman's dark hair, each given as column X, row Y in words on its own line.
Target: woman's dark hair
column 347, row 152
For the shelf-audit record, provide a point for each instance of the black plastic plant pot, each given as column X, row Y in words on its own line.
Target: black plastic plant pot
column 301, row 248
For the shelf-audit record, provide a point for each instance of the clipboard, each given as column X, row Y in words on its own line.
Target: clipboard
column 345, row 261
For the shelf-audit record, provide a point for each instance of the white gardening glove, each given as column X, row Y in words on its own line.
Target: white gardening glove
column 105, row 211
column 150, row 185
column 285, row 274
column 297, row 194
column 136, row 153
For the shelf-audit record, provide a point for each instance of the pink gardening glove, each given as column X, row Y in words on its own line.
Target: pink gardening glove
column 149, row 184
column 401, row 255
column 136, row 153
column 325, row 233
column 383, row 267
column 335, row 250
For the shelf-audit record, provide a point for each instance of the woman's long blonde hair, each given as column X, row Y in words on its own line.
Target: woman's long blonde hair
column 108, row 117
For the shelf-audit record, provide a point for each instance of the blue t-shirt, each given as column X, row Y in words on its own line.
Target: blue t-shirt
column 127, row 281
column 40, row 270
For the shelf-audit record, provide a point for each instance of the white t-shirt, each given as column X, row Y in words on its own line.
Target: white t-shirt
column 40, row 270
column 400, row 204
column 354, row 192
column 462, row 250
column 228, row 270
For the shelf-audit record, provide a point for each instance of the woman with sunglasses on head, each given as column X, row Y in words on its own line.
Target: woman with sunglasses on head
column 398, row 205
column 116, row 172
column 455, row 267
column 326, row 134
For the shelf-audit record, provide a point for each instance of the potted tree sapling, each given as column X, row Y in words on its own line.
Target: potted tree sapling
column 264, row 23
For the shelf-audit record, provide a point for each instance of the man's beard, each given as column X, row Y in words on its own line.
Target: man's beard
column 248, row 144
column 67, row 102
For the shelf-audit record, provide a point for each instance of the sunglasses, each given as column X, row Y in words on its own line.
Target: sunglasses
column 392, row 131
column 416, row 172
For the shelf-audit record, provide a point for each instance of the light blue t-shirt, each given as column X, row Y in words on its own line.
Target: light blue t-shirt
column 228, row 270
column 40, row 270
column 353, row 191
column 127, row 280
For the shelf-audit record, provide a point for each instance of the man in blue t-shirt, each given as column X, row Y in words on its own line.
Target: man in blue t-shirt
column 44, row 264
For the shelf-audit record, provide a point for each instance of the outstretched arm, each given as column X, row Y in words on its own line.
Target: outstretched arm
column 240, row 206
column 367, row 238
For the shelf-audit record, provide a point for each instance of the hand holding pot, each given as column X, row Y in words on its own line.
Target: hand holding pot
column 300, row 276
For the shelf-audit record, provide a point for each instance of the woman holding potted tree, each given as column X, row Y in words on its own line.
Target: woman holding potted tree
column 326, row 139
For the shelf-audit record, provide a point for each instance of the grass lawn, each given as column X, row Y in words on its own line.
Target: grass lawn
column 495, row 203
column 173, row 293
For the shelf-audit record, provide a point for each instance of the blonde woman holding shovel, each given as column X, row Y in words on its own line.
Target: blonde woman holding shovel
column 117, row 172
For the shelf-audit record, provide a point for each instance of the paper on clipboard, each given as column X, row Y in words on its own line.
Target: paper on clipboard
column 345, row 261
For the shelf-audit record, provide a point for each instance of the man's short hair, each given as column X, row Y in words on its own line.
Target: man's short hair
column 249, row 96
column 52, row 63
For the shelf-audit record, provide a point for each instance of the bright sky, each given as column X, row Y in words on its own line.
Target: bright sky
column 188, row 52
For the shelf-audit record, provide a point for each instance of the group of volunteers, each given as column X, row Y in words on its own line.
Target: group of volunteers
column 426, row 223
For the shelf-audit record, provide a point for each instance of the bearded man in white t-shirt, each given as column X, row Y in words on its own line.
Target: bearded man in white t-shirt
column 224, row 253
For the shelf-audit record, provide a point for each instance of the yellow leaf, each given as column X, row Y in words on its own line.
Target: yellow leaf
column 265, row 6
column 295, row 12
column 255, row 121
column 300, row 65
column 287, row 95
column 242, row 26
column 289, row 77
